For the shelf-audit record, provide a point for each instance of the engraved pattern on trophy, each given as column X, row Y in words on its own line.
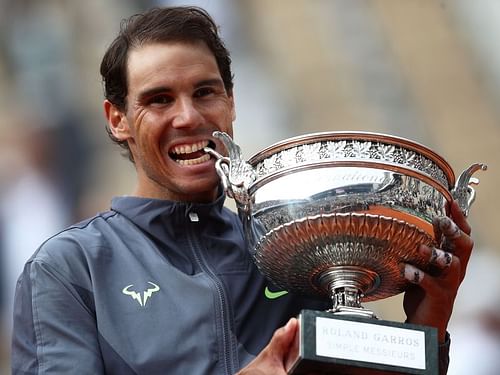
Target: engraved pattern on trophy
column 316, row 244
column 344, row 150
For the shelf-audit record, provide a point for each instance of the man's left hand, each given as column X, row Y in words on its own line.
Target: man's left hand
column 430, row 300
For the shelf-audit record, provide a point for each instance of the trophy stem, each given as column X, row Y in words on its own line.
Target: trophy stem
column 346, row 286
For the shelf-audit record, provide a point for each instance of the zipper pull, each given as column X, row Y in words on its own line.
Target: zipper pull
column 193, row 216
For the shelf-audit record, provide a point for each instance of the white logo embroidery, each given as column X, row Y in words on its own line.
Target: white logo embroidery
column 145, row 295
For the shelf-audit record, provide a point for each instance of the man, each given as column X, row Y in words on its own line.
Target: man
column 162, row 282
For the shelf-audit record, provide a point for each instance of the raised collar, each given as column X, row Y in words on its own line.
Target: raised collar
column 145, row 211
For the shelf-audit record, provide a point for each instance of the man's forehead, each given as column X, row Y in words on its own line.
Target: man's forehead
column 178, row 45
column 173, row 63
column 153, row 57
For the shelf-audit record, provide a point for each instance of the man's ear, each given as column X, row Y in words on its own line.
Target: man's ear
column 233, row 109
column 117, row 121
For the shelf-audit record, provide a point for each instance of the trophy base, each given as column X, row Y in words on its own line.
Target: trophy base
column 327, row 343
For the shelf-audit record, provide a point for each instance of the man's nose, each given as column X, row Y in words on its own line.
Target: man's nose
column 187, row 115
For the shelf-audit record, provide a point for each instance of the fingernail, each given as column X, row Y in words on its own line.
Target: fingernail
column 449, row 228
column 413, row 274
column 434, row 255
column 443, row 258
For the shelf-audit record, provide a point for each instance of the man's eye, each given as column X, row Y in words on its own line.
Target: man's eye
column 159, row 99
column 203, row 91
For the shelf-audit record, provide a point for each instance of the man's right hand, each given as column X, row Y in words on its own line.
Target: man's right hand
column 271, row 360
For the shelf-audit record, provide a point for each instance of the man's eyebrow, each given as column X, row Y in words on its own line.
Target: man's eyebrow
column 165, row 89
column 153, row 91
column 210, row 82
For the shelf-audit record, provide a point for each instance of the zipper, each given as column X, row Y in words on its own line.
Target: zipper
column 223, row 302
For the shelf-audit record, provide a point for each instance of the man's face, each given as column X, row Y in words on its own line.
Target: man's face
column 176, row 100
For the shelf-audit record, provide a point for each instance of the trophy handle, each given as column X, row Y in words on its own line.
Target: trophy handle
column 235, row 173
column 463, row 192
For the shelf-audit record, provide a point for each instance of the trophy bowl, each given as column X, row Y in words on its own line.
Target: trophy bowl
column 334, row 214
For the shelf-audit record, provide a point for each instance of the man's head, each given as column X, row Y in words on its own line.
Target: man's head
column 159, row 25
column 168, row 87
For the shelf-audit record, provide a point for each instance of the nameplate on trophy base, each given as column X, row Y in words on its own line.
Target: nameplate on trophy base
column 328, row 343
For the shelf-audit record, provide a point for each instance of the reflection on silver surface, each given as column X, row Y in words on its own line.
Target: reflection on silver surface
column 334, row 214
column 344, row 189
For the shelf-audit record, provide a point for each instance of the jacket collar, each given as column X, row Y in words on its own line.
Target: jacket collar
column 145, row 211
column 165, row 222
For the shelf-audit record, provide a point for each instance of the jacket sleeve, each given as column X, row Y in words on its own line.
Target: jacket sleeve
column 54, row 329
column 444, row 355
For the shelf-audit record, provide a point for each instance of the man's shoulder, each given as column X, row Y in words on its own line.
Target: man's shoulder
column 80, row 238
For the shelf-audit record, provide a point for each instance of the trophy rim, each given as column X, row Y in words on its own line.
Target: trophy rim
column 358, row 135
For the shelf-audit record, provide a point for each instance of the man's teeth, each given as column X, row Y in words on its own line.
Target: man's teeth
column 199, row 160
column 187, row 149
column 190, row 154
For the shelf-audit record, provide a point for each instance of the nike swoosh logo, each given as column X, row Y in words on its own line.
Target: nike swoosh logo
column 273, row 295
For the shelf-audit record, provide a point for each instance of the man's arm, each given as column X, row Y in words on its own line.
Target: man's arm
column 54, row 328
column 430, row 302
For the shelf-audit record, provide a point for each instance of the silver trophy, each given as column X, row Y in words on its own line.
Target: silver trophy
column 333, row 215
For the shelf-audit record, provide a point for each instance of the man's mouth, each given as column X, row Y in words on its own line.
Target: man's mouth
column 191, row 154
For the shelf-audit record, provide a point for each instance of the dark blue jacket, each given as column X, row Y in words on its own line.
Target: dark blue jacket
column 149, row 287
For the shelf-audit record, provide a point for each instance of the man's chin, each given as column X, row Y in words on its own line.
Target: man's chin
column 201, row 192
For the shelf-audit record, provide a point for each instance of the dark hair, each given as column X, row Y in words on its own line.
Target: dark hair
column 171, row 24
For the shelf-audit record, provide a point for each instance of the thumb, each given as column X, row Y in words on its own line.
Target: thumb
column 271, row 360
column 282, row 339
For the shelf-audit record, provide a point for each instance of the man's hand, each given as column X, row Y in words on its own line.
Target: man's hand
column 271, row 360
column 430, row 301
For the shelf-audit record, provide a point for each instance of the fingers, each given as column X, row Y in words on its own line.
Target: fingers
column 458, row 217
column 441, row 264
column 277, row 349
column 283, row 338
column 455, row 251
column 272, row 358
column 450, row 276
column 455, row 235
column 438, row 258
column 431, row 303
column 446, row 230
column 413, row 274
